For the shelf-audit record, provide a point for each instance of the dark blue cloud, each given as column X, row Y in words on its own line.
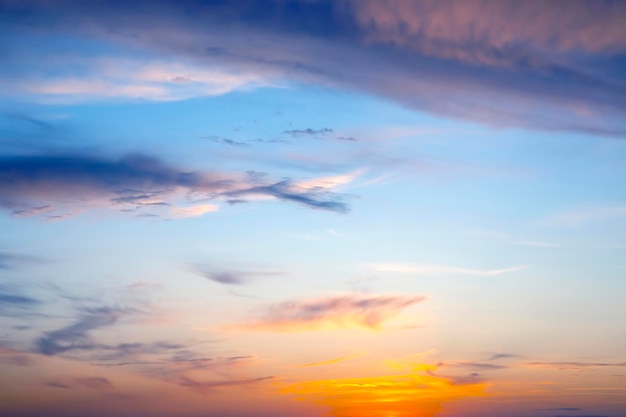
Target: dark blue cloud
column 32, row 184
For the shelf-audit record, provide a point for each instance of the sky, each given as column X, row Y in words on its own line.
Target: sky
column 312, row 208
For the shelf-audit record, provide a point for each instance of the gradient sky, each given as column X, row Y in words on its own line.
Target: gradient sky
column 313, row 208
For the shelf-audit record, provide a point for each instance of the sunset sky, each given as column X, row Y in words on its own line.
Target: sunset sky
column 313, row 208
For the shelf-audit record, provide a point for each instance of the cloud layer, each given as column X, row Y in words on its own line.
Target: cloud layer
column 552, row 65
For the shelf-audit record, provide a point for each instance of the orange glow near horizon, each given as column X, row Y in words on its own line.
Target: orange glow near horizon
column 418, row 393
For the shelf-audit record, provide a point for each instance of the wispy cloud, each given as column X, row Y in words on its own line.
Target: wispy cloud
column 425, row 269
column 138, row 184
column 583, row 216
column 95, row 383
column 368, row 311
column 297, row 133
column 232, row 276
column 577, row 365
column 332, row 361
column 83, row 78
column 16, row 304
column 76, row 337
column 209, row 386
column 226, row 141
column 11, row 260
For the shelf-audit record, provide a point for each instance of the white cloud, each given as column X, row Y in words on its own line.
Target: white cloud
column 424, row 269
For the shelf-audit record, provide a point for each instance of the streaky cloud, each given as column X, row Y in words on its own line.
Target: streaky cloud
column 76, row 335
column 10, row 260
column 209, row 386
column 135, row 183
column 231, row 276
column 368, row 311
column 426, row 269
column 332, row 361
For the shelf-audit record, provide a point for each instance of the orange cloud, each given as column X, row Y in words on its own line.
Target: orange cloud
column 418, row 393
column 354, row 310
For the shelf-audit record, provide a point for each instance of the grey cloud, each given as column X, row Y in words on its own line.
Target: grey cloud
column 96, row 383
column 214, row 385
column 57, row 384
column 498, row 356
column 308, row 132
column 230, row 276
column 226, row 141
column 76, row 335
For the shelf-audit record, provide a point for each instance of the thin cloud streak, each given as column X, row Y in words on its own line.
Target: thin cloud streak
column 332, row 361
column 424, row 269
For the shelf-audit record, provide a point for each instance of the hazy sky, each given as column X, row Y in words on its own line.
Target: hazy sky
column 313, row 208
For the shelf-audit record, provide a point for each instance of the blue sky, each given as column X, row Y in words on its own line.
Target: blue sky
column 318, row 208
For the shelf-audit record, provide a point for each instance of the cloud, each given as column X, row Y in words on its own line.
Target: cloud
column 577, row 365
column 355, row 310
column 296, row 133
column 316, row 197
column 135, row 183
column 57, row 384
column 332, row 361
column 205, row 386
column 588, row 215
column 94, row 383
column 13, row 304
column 226, row 141
column 474, row 365
column 16, row 357
column 498, row 356
column 35, row 211
column 76, row 335
column 84, row 78
column 584, row 415
column 422, row 269
column 229, row 276
column 538, row 65
column 9, row 260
